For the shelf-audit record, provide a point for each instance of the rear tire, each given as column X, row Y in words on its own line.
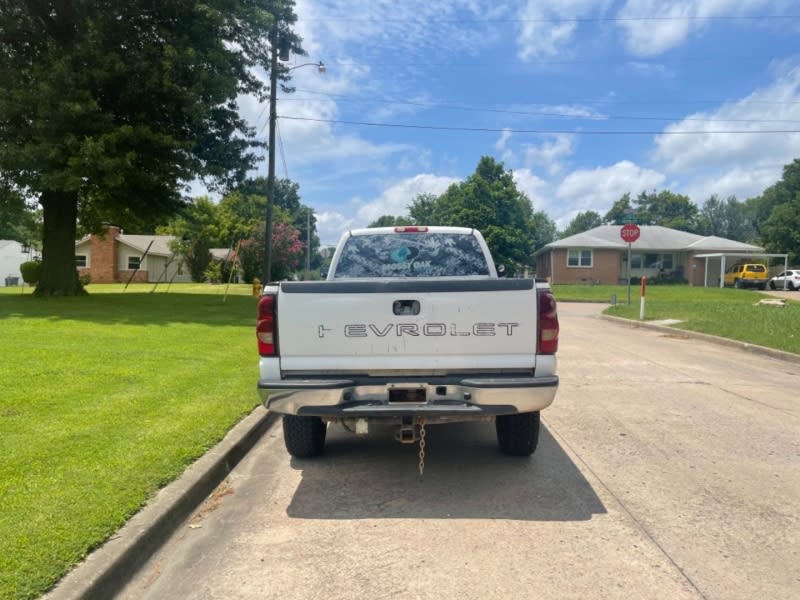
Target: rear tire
column 304, row 436
column 518, row 435
column 738, row 284
column 772, row 285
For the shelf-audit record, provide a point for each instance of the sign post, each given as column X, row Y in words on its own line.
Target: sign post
column 642, row 290
column 629, row 233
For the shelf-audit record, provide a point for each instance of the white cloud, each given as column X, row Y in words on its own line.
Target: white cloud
column 597, row 189
column 396, row 198
column 653, row 26
column 546, row 28
column 535, row 188
column 550, row 154
column 775, row 108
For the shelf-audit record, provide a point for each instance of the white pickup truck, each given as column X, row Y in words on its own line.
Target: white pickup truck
column 412, row 327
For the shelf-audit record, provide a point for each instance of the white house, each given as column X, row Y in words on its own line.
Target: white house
column 11, row 257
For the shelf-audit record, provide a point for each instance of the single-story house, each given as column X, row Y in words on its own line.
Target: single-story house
column 600, row 255
column 12, row 255
column 115, row 257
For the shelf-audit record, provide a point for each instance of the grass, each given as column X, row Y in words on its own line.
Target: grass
column 103, row 400
column 725, row 312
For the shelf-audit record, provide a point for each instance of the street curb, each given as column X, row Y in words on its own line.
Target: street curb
column 105, row 571
column 754, row 348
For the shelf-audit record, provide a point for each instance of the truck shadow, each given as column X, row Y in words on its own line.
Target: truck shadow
column 466, row 477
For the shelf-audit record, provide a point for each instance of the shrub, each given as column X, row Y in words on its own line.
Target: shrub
column 31, row 270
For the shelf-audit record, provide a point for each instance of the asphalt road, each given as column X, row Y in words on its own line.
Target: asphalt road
column 667, row 468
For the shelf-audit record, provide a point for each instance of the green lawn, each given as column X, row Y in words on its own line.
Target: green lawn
column 724, row 312
column 103, row 400
column 106, row 398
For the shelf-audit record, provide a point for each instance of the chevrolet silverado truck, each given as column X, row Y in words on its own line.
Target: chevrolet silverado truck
column 412, row 327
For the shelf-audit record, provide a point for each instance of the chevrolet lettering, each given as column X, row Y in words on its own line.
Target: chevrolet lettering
column 424, row 329
column 412, row 328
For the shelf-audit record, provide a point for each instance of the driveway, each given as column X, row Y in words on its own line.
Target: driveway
column 665, row 470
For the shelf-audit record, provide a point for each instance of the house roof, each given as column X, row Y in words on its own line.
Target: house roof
column 159, row 247
column 653, row 237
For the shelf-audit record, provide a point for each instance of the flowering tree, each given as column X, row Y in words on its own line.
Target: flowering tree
column 286, row 252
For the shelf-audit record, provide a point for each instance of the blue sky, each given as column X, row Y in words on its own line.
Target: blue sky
column 583, row 100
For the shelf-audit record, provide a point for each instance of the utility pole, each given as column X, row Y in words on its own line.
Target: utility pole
column 273, row 97
column 308, row 244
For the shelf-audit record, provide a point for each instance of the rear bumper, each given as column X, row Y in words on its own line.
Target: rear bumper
column 432, row 396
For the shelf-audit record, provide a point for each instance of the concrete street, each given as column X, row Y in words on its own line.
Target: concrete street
column 667, row 468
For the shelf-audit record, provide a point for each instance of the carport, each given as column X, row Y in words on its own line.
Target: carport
column 723, row 256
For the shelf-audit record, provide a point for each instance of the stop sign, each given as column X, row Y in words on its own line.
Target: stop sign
column 629, row 232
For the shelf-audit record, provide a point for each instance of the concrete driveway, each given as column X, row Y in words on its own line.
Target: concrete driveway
column 668, row 467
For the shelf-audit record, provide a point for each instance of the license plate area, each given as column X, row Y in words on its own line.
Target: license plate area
column 407, row 395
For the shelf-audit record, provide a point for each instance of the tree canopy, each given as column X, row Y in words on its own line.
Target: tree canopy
column 583, row 221
column 778, row 213
column 489, row 201
column 111, row 108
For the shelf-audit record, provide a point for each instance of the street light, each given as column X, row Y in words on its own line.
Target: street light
column 273, row 117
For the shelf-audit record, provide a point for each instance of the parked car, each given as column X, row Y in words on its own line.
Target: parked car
column 750, row 275
column 789, row 280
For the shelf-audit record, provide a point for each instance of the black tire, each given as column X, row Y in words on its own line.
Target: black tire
column 304, row 436
column 772, row 285
column 518, row 435
column 738, row 284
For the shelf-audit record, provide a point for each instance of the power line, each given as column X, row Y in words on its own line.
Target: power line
column 538, row 131
column 568, row 115
column 555, row 20
column 565, row 101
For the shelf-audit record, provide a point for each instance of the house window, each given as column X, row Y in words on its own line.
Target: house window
column 134, row 262
column 652, row 261
column 577, row 257
column 81, row 261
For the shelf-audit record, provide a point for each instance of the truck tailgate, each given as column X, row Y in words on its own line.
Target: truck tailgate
column 407, row 325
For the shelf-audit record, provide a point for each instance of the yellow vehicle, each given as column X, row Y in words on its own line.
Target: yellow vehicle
column 752, row 275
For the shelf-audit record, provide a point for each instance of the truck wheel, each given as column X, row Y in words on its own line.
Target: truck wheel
column 738, row 284
column 518, row 435
column 304, row 436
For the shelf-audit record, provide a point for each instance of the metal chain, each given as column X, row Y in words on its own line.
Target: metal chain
column 421, row 446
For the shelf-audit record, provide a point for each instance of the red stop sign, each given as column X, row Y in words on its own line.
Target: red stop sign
column 629, row 232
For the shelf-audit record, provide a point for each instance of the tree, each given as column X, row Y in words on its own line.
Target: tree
column 287, row 197
column 583, row 221
column 390, row 221
column 196, row 231
column 618, row 212
column 727, row 218
column 778, row 213
column 18, row 220
column 110, row 108
column 667, row 210
column 487, row 200
column 286, row 247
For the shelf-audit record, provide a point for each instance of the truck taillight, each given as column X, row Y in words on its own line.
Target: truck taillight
column 265, row 327
column 411, row 229
column 548, row 323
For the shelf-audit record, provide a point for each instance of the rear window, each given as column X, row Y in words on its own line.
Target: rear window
column 756, row 268
column 411, row 255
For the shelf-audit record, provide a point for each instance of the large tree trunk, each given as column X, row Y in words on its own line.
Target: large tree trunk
column 59, row 276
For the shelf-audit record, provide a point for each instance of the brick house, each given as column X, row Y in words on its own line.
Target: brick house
column 115, row 257
column 600, row 256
